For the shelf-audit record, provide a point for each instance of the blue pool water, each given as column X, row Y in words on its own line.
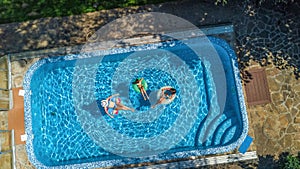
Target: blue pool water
column 67, row 126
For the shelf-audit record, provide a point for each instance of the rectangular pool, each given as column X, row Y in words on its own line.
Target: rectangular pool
column 68, row 128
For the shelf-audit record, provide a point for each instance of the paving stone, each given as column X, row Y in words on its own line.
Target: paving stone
column 289, row 102
column 277, row 97
column 5, row 161
column 297, row 119
column 272, row 127
column 288, row 140
column 294, row 112
column 271, row 149
column 292, row 129
column 3, row 120
column 284, row 120
column 18, row 81
column 297, row 145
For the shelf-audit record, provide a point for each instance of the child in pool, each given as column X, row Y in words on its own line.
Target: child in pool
column 138, row 82
column 113, row 104
column 167, row 93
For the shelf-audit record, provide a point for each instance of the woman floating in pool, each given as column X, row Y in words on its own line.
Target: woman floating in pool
column 166, row 95
column 113, row 104
column 140, row 85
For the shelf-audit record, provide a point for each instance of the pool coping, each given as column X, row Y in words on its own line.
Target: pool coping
column 177, row 155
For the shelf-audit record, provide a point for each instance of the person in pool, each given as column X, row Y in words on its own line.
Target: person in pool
column 113, row 104
column 167, row 94
column 139, row 84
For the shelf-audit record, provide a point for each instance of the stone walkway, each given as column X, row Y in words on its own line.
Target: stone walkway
column 265, row 36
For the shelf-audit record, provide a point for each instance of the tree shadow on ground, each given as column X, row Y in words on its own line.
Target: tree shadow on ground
column 270, row 36
column 265, row 34
column 263, row 162
column 49, row 33
column 272, row 162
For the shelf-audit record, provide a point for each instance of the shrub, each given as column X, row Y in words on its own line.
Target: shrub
column 291, row 162
column 223, row 2
column 23, row 10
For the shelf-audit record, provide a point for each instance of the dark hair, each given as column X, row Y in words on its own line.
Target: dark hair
column 136, row 81
column 173, row 91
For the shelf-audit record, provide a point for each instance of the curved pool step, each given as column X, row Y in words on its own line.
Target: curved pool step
column 216, row 139
column 219, row 131
column 223, row 140
column 227, row 133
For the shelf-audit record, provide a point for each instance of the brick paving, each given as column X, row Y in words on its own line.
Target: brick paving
column 267, row 35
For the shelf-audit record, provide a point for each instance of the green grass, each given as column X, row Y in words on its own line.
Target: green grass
column 23, row 10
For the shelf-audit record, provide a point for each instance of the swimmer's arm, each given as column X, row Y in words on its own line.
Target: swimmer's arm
column 110, row 115
column 172, row 96
column 112, row 96
column 140, row 82
column 115, row 95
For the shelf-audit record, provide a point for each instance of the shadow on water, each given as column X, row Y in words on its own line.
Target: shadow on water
column 95, row 109
column 141, row 103
column 121, row 88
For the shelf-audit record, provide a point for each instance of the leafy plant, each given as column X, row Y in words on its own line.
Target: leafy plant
column 291, row 162
column 22, row 10
column 224, row 2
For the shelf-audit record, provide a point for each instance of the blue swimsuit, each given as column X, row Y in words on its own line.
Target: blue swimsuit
column 110, row 110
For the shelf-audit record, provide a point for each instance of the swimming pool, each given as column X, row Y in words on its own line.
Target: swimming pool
column 67, row 127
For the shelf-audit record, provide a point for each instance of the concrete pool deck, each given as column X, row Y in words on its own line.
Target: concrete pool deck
column 261, row 34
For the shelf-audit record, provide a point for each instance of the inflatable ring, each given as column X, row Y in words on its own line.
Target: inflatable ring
column 166, row 101
column 144, row 84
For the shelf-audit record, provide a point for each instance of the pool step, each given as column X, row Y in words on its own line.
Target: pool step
column 206, row 161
